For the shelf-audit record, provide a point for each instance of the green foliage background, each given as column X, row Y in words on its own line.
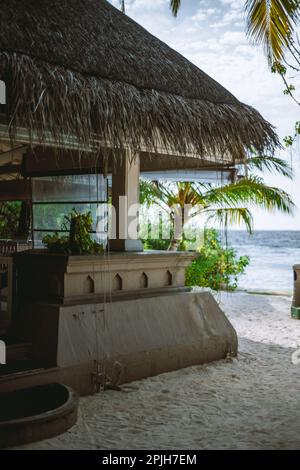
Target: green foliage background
column 217, row 267
column 9, row 218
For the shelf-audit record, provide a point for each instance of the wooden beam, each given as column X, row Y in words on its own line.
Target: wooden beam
column 9, row 169
column 45, row 161
column 159, row 162
column 15, row 190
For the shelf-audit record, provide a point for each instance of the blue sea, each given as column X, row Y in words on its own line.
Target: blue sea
column 272, row 256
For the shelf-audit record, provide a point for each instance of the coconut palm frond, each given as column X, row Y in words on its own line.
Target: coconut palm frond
column 154, row 192
column 148, row 192
column 271, row 23
column 175, row 6
column 250, row 191
column 230, row 216
column 271, row 164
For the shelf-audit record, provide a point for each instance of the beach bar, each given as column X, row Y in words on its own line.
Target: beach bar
column 90, row 101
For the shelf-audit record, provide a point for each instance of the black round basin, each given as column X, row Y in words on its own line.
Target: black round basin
column 36, row 413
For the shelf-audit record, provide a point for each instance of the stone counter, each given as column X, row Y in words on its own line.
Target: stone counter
column 61, row 278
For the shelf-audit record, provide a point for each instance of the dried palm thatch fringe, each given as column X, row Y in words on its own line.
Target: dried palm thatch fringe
column 53, row 99
column 135, row 90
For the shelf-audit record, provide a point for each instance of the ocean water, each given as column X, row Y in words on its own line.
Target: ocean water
column 272, row 256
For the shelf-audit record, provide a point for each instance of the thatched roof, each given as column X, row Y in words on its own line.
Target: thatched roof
column 81, row 67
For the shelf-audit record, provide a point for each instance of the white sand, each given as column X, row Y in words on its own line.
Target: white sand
column 252, row 402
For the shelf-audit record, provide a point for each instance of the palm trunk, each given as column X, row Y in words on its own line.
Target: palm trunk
column 177, row 234
column 174, row 245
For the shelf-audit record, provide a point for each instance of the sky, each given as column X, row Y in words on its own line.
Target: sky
column 211, row 34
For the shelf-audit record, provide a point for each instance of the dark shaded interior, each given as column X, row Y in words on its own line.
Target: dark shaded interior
column 32, row 401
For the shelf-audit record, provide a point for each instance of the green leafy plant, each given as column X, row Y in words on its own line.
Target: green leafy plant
column 79, row 240
column 56, row 243
column 159, row 244
column 216, row 267
column 9, row 218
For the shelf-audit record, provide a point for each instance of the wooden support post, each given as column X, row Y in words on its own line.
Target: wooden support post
column 125, row 200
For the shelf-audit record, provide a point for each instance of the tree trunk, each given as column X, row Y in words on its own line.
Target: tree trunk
column 174, row 245
column 177, row 232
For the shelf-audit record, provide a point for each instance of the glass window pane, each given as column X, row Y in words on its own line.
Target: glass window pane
column 55, row 197
column 71, row 188
column 52, row 216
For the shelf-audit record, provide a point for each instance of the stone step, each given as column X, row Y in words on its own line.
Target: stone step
column 18, row 368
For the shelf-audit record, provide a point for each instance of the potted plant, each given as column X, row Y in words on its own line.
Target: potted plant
column 79, row 241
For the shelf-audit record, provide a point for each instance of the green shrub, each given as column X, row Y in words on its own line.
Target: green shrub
column 159, row 243
column 156, row 244
column 216, row 267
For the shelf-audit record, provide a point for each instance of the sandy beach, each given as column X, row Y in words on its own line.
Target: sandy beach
column 248, row 402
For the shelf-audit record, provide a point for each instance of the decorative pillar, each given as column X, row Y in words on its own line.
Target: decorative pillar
column 125, row 200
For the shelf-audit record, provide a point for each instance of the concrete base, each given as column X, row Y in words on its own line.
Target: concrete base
column 131, row 339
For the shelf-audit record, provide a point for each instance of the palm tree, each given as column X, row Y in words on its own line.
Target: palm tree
column 225, row 204
column 271, row 23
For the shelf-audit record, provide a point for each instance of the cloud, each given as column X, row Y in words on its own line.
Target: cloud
column 145, row 5
column 233, row 38
column 139, row 5
column 233, row 14
column 202, row 14
column 233, row 4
